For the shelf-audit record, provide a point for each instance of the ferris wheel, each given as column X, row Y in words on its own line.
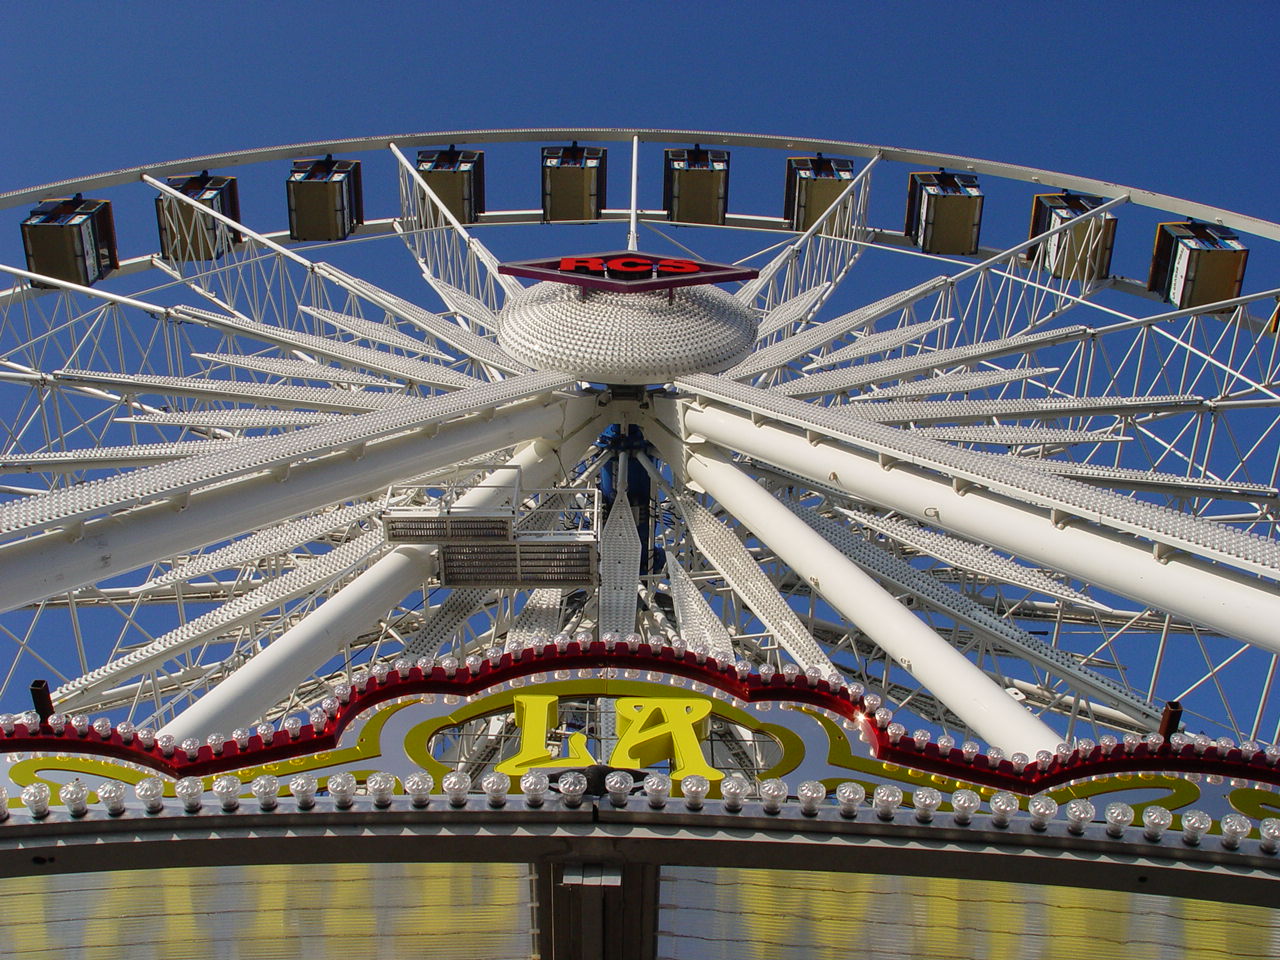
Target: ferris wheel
column 965, row 463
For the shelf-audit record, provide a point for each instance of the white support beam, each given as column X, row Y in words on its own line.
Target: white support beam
column 944, row 671
column 1234, row 603
column 61, row 560
column 275, row 672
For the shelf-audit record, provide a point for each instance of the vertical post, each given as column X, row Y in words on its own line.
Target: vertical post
column 633, row 234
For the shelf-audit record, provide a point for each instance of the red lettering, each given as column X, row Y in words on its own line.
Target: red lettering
column 678, row 266
column 629, row 268
column 582, row 265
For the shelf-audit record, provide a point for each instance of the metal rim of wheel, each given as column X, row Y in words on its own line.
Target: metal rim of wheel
column 1006, row 496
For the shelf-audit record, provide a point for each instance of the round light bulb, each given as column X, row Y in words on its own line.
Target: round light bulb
column 35, row 797
column 885, row 800
column 1195, row 824
column 572, row 786
column 850, row 795
column 266, row 733
column 381, row 788
column 811, row 793
column 111, row 795
column 1019, row 761
column 1155, row 821
column 495, row 786
column 1003, row 806
column 456, row 785
column 146, row 738
column 1269, row 832
column 964, row 804
column 969, row 749
column 241, row 736
column 150, row 790
column 535, row 785
column 266, row 790
column 166, row 743
column 1080, row 813
column 1117, row 815
column 896, row 732
column 1235, row 827
column 57, row 723
column 733, row 791
column 694, row 788
column 657, row 788
column 293, row 727
column 995, row 757
column 227, row 790
column 618, row 784
column 1042, row 809
column 773, row 794
column 342, row 789
column 190, row 790
column 419, row 786
column 946, row 743
column 74, row 796
column 926, row 801
column 304, row 788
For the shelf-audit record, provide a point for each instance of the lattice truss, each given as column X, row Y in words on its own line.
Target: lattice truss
column 996, row 489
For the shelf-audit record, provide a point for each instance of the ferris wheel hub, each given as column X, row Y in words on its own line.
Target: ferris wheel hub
column 627, row 338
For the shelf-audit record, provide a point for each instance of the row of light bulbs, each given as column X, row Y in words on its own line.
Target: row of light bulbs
column 571, row 789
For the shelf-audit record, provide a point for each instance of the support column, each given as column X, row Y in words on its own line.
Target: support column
column 1233, row 603
column 974, row 697
column 273, row 673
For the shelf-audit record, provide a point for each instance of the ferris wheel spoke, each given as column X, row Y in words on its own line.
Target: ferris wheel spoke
column 694, row 615
column 982, row 704
column 272, row 541
column 798, row 309
column 725, row 552
column 366, row 358
column 373, row 332
column 820, row 257
column 478, row 349
column 234, row 391
column 1031, row 521
column 446, row 621
column 282, row 666
column 902, row 576
column 296, row 369
column 444, row 248
column 302, row 581
column 349, row 458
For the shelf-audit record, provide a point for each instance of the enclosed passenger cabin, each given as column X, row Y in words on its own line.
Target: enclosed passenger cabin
column 188, row 234
column 695, row 185
column 944, row 212
column 326, row 199
column 574, row 181
column 1196, row 263
column 813, row 185
column 1081, row 252
column 71, row 239
column 457, row 178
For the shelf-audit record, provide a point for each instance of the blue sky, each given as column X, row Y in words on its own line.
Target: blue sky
column 1177, row 97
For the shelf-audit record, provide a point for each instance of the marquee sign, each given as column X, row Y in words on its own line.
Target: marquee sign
column 665, row 702
column 626, row 271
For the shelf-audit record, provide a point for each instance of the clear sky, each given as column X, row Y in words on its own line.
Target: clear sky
column 1176, row 97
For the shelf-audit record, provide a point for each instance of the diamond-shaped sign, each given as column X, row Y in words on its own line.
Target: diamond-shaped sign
column 627, row 271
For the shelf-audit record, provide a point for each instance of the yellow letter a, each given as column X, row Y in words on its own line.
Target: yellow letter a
column 653, row 729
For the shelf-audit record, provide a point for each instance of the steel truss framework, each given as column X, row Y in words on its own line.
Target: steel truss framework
column 1015, row 504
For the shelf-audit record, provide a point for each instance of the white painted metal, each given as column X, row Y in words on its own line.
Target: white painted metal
column 980, row 702
column 1209, row 594
column 282, row 666
column 619, row 561
column 114, row 544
